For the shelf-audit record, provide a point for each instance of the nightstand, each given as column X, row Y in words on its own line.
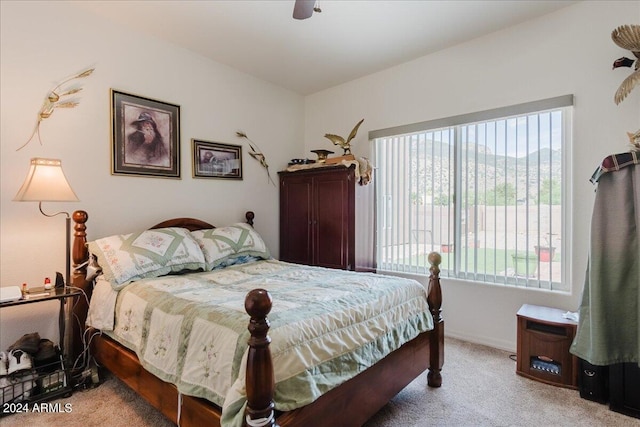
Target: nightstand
column 544, row 338
column 54, row 380
column 60, row 294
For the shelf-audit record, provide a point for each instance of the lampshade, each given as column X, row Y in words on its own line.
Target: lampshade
column 45, row 182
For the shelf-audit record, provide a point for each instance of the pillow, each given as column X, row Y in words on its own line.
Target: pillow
column 150, row 253
column 222, row 245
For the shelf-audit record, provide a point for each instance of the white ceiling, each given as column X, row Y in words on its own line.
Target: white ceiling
column 349, row 39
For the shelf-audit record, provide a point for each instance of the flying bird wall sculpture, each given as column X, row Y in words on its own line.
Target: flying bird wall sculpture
column 58, row 97
column 627, row 37
column 256, row 154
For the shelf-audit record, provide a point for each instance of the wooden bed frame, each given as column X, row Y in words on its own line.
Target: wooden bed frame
column 350, row 404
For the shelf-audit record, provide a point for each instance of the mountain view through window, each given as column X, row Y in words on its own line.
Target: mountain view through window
column 487, row 195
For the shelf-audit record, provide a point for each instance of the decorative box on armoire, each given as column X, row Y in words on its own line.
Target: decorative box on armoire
column 327, row 218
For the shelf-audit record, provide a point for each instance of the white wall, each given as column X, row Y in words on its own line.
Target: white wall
column 567, row 52
column 43, row 42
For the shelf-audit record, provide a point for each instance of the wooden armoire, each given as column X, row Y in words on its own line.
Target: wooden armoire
column 327, row 218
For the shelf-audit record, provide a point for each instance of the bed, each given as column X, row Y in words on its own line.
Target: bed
column 349, row 391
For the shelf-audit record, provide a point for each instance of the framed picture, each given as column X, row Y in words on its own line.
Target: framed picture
column 215, row 160
column 145, row 136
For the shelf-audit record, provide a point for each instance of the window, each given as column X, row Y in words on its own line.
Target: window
column 486, row 190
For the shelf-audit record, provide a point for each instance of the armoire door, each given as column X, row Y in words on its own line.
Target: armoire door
column 332, row 220
column 295, row 220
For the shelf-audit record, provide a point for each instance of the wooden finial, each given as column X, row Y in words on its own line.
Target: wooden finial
column 250, row 216
column 258, row 303
column 434, row 296
column 435, row 259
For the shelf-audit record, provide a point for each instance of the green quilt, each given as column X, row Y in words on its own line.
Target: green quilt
column 326, row 327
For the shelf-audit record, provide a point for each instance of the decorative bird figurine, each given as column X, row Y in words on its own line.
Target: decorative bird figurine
column 627, row 37
column 341, row 142
column 57, row 98
column 256, row 154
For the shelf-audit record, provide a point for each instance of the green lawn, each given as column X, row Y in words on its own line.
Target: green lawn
column 489, row 261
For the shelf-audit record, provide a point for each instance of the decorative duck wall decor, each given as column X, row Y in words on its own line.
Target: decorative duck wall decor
column 627, row 37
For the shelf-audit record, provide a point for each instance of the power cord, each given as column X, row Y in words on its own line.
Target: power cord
column 84, row 371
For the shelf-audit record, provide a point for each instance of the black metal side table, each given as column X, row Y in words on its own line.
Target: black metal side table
column 54, row 380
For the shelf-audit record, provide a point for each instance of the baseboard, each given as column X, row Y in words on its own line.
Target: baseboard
column 488, row 341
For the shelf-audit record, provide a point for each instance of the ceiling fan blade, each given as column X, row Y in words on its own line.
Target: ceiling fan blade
column 303, row 9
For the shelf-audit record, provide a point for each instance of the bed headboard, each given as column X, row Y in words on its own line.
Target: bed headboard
column 190, row 224
column 80, row 255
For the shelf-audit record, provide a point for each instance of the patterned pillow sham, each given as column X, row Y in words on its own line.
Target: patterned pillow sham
column 224, row 245
column 150, row 253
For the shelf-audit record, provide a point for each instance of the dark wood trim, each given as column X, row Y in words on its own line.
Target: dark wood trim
column 193, row 224
column 190, row 224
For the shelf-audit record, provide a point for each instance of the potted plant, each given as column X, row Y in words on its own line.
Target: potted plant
column 446, row 248
column 547, row 252
column 524, row 264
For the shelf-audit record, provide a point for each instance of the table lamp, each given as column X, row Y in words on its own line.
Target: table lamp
column 46, row 182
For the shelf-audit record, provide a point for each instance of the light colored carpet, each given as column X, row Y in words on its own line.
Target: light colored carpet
column 480, row 388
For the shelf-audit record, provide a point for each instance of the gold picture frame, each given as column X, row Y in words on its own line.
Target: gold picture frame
column 145, row 136
column 216, row 160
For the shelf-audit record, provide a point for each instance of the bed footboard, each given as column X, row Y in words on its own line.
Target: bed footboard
column 260, row 384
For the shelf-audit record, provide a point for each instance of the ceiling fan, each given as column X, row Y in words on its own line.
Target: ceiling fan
column 303, row 9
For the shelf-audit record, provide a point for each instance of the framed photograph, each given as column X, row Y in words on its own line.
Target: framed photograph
column 215, row 160
column 145, row 136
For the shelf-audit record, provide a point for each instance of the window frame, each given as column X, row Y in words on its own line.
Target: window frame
column 563, row 103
